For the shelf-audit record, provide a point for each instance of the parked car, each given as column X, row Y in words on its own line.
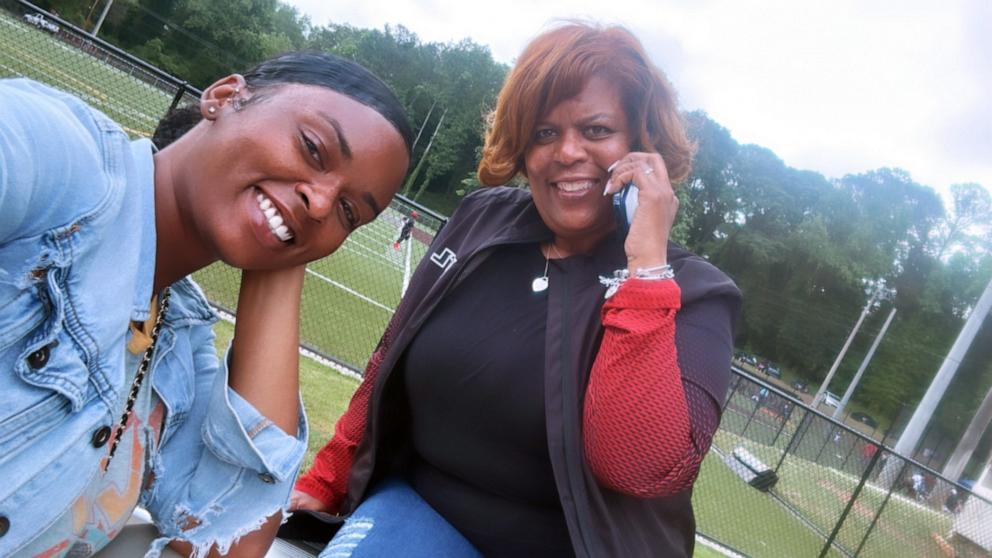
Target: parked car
column 865, row 419
column 741, row 356
column 773, row 371
column 830, row 399
column 801, row 385
column 40, row 22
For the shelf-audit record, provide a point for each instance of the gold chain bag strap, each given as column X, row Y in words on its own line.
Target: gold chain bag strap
column 139, row 377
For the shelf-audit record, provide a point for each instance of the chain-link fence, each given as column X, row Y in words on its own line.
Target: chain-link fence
column 348, row 297
column 784, row 480
column 41, row 46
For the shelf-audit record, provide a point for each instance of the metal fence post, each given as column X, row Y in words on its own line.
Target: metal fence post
column 850, row 504
column 785, row 421
column 737, row 382
column 178, row 97
column 757, row 405
column 881, row 508
column 798, row 434
column 825, row 442
column 849, row 452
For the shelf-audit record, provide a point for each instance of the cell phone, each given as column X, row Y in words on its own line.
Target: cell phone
column 624, row 206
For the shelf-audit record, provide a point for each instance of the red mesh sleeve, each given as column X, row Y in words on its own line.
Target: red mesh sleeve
column 645, row 431
column 327, row 478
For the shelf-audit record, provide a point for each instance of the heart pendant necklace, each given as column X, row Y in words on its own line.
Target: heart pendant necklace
column 540, row 284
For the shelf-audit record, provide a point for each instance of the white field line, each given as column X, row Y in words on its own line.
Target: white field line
column 343, row 370
column 406, row 268
column 713, row 545
column 350, row 291
column 371, row 255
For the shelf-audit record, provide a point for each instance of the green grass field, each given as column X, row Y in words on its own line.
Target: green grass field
column 349, row 297
column 26, row 51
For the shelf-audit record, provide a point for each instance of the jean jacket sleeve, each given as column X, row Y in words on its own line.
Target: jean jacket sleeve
column 225, row 468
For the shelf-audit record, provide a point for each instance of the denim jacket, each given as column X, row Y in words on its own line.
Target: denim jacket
column 77, row 258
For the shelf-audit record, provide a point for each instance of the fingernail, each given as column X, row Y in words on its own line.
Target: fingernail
column 606, row 191
column 613, row 166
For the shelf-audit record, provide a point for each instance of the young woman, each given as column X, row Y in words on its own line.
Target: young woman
column 551, row 381
column 112, row 393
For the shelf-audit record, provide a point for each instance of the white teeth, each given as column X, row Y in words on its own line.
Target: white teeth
column 273, row 218
column 575, row 186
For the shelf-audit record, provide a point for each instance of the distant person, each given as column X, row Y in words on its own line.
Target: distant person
column 868, row 451
column 405, row 230
column 112, row 390
column 549, row 384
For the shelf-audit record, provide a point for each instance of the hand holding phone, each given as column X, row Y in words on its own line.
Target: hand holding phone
column 624, row 207
column 644, row 207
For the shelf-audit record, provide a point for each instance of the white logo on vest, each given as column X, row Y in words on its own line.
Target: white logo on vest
column 444, row 259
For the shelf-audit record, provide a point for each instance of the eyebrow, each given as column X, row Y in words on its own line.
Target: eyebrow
column 595, row 117
column 371, row 201
column 342, row 141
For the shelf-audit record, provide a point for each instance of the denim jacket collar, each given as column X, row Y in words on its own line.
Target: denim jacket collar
column 192, row 307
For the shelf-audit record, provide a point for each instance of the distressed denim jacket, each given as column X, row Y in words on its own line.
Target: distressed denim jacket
column 77, row 258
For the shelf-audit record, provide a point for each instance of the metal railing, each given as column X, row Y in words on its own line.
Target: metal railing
column 829, row 490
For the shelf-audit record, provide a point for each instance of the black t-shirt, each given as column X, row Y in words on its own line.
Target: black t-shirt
column 474, row 377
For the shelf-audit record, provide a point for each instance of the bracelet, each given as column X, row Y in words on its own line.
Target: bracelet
column 657, row 273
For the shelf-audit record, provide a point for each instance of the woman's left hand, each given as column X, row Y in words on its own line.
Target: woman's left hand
column 647, row 241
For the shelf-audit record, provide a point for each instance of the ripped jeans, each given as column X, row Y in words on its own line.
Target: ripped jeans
column 395, row 521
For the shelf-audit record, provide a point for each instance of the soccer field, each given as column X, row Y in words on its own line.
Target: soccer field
column 348, row 297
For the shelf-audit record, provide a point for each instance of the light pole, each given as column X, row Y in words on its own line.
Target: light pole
column 864, row 364
column 879, row 292
column 103, row 16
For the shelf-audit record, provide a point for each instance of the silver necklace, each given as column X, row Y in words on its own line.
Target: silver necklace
column 540, row 284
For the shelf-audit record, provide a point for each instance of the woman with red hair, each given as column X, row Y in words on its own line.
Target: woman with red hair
column 554, row 376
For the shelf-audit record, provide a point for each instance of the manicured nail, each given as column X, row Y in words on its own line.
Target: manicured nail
column 613, row 166
column 606, row 191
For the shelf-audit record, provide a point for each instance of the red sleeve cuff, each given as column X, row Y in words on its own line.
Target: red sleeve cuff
column 646, row 294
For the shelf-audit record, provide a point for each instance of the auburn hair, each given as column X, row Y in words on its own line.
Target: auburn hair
column 554, row 67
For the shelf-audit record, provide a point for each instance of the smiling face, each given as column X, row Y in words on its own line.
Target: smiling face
column 572, row 146
column 285, row 178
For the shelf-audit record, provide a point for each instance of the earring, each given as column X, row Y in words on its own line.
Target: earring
column 237, row 90
column 211, row 110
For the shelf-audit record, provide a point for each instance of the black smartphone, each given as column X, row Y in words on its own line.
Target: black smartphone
column 624, row 206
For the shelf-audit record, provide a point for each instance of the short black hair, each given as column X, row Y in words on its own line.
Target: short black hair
column 337, row 74
column 306, row 68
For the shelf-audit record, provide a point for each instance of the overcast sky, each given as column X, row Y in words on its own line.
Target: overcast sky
column 838, row 87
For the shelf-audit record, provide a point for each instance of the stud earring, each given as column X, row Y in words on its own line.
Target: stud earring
column 211, row 110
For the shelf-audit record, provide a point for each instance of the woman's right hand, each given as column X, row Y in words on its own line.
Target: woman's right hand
column 302, row 501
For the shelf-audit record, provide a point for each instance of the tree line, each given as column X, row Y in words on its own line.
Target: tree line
column 806, row 250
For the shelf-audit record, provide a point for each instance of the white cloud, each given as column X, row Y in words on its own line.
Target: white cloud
column 838, row 87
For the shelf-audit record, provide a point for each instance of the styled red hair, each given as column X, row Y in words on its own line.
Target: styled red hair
column 555, row 67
